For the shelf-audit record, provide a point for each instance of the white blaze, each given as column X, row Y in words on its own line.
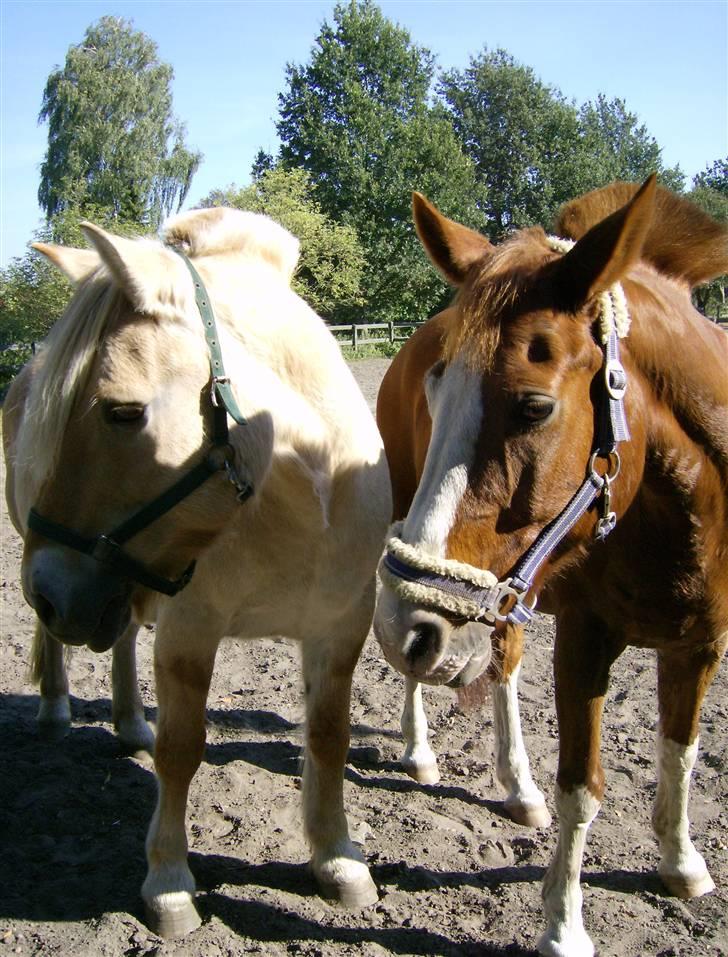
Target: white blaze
column 456, row 409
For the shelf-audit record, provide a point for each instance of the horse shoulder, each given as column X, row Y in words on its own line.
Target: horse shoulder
column 683, row 357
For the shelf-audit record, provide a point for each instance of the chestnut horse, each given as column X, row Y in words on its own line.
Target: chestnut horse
column 190, row 448
column 569, row 442
column 404, row 422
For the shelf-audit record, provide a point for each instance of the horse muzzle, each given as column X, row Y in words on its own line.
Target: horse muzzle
column 429, row 647
column 75, row 598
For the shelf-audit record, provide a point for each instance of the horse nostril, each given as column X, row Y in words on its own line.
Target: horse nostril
column 426, row 639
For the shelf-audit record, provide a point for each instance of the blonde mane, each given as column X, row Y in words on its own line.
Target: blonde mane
column 216, row 231
column 63, row 366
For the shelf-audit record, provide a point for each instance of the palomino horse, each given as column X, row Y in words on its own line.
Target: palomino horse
column 557, row 469
column 141, row 501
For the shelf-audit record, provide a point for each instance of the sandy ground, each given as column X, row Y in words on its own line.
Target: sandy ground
column 455, row 876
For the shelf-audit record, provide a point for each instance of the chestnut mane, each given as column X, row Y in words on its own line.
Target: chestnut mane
column 683, row 241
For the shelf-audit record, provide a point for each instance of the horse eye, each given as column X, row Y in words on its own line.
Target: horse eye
column 536, row 408
column 437, row 370
column 128, row 414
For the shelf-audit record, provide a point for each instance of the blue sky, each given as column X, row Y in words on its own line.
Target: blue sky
column 667, row 60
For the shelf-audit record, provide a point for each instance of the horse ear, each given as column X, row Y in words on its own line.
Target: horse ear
column 140, row 268
column 76, row 264
column 607, row 251
column 451, row 247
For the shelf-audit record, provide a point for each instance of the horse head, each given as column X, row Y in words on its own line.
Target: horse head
column 125, row 467
column 514, row 406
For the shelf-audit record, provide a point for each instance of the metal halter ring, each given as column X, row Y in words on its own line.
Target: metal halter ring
column 615, row 464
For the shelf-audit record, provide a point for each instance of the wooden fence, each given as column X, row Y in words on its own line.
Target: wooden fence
column 358, row 335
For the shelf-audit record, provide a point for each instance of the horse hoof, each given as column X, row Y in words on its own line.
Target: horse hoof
column 422, row 773
column 54, row 718
column 574, row 944
column 172, row 915
column 353, row 895
column 53, row 731
column 528, row 815
column 694, row 885
column 345, row 878
column 135, row 736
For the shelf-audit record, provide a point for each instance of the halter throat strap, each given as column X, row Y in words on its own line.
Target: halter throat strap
column 107, row 548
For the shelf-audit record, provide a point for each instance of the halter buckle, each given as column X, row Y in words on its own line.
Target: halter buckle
column 216, row 381
column 105, row 550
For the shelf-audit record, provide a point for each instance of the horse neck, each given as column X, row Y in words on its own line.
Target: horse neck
column 683, row 358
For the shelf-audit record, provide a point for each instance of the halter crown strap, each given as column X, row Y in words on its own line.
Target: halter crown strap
column 220, row 382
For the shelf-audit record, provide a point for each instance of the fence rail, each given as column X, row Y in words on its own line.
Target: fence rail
column 358, row 333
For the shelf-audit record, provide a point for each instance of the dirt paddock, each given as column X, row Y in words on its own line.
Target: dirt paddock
column 455, row 876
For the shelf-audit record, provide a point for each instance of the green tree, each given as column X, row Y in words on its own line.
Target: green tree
column 329, row 273
column 533, row 149
column 615, row 146
column 710, row 193
column 33, row 293
column 357, row 117
column 113, row 141
column 714, row 176
column 521, row 134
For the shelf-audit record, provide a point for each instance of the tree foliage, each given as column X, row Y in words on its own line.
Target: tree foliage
column 710, row 193
column 714, row 176
column 113, row 141
column 533, row 149
column 357, row 118
column 520, row 133
column 34, row 293
column 329, row 273
column 615, row 146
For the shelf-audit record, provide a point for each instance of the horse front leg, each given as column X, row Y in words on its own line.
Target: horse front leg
column 583, row 656
column 338, row 866
column 182, row 680
column 127, row 709
column 682, row 683
column 48, row 668
column 419, row 759
column 524, row 803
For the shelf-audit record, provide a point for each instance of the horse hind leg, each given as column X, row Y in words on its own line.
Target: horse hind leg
column 127, row 708
column 48, row 668
column 524, row 803
column 419, row 759
column 681, row 688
